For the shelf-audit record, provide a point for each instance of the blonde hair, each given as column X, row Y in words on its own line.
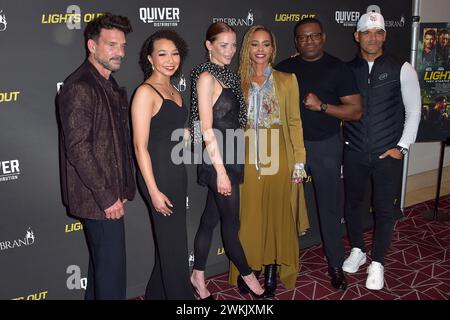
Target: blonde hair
column 245, row 63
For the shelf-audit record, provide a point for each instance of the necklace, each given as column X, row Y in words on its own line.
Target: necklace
column 167, row 89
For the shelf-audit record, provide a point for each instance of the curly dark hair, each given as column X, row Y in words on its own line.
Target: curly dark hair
column 106, row 21
column 147, row 49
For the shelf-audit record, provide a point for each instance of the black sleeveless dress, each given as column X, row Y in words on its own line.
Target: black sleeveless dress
column 225, row 116
column 170, row 277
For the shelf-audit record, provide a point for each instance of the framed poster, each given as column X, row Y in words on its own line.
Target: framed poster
column 434, row 76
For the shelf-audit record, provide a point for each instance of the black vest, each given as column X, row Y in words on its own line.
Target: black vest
column 381, row 126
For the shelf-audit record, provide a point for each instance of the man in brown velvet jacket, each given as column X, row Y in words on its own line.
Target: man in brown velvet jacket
column 95, row 152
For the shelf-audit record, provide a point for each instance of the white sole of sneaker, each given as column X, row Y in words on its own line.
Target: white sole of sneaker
column 350, row 270
column 370, row 287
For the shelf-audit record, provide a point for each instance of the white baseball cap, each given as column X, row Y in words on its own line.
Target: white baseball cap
column 370, row 20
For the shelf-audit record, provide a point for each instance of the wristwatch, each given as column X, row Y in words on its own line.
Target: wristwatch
column 402, row 150
column 323, row 107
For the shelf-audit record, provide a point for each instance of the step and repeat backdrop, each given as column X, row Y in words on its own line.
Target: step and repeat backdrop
column 43, row 253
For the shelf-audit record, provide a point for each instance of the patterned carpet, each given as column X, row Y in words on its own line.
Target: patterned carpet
column 416, row 268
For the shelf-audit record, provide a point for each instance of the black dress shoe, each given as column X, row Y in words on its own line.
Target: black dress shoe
column 270, row 279
column 244, row 288
column 338, row 280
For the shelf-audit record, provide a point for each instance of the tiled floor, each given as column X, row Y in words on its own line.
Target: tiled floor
column 417, row 266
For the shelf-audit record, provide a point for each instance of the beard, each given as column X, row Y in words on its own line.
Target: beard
column 311, row 54
column 108, row 64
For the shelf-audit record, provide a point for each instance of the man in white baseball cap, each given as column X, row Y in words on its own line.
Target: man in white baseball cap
column 375, row 145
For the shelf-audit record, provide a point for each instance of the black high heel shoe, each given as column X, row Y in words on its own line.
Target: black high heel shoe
column 244, row 288
column 210, row 297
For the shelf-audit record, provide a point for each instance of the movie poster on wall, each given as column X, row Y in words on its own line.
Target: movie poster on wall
column 433, row 68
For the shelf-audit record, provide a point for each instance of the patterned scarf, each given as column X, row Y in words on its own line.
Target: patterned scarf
column 229, row 79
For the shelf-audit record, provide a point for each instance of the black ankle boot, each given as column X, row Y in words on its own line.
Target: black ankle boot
column 270, row 279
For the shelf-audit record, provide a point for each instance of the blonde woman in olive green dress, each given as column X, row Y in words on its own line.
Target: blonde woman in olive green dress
column 273, row 210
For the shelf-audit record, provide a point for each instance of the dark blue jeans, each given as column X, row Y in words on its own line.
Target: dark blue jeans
column 385, row 174
column 107, row 274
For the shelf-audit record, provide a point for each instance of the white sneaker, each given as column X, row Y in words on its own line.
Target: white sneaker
column 375, row 279
column 355, row 260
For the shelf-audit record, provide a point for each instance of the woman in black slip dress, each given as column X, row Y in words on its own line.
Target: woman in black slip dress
column 217, row 108
column 157, row 111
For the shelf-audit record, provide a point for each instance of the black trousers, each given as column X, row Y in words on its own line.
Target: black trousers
column 359, row 169
column 225, row 209
column 107, row 274
column 324, row 159
column 170, row 276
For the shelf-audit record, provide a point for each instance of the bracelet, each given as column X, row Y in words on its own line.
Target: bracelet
column 299, row 171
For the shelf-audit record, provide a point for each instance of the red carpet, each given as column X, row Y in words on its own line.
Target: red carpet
column 416, row 268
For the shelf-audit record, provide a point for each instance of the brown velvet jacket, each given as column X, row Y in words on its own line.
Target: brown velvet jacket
column 95, row 144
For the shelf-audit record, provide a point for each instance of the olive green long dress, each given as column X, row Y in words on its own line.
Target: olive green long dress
column 273, row 209
column 268, row 231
